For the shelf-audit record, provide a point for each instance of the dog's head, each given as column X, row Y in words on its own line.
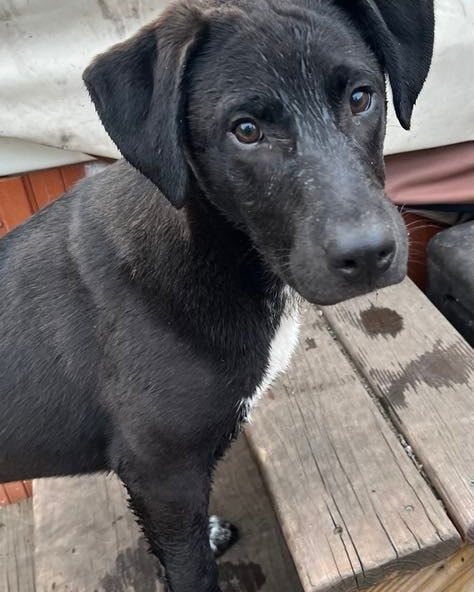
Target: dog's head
column 276, row 110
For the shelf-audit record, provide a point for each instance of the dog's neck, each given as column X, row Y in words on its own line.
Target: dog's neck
column 203, row 269
column 216, row 238
column 229, row 253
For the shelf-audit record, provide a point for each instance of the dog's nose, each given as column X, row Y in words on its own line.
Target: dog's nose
column 354, row 255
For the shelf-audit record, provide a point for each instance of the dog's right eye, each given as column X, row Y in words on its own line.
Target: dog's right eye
column 361, row 100
column 247, row 132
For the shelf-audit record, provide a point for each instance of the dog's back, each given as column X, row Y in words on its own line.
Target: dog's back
column 47, row 347
column 106, row 267
column 51, row 343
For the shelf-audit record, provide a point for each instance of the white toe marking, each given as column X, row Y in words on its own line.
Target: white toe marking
column 219, row 535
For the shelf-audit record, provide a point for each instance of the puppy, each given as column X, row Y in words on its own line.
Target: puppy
column 145, row 311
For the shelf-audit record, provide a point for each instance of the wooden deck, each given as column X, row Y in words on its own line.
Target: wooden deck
column 356, row 473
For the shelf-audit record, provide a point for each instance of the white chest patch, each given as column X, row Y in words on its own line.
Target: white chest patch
column 281, row 349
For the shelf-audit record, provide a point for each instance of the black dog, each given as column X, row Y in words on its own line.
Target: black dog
column 141, row 318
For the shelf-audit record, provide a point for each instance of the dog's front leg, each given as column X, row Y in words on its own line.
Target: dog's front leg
column 171, row 502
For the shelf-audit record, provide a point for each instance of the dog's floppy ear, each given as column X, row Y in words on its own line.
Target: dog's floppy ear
column 401, row 33
column 136, row 89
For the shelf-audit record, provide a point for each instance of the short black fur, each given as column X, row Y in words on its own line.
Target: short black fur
column 135, row 335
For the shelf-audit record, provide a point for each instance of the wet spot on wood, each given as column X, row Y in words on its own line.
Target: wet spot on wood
column 381, row 321
column 310, row 343
column 134, row 569
column 443, row 366
column 236, row 577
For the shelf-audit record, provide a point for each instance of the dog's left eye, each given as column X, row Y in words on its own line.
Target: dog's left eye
column 247, row 132
column 361, row 100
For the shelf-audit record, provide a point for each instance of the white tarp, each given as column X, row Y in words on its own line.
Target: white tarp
column 46, row 44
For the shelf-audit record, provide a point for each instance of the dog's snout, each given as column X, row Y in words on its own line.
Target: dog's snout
column 354, row 255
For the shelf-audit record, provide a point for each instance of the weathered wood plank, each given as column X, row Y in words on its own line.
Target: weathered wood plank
column 423, row 371
column 351, row 504
column 260, row 562
column 455, row 574
column 87, row 540
column 16, row 548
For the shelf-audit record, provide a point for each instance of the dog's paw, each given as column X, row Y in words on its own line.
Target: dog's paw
column 222, row 535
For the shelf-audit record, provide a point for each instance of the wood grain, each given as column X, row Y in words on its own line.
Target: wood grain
column 260, row 561
column 87, row 540
column 352, row 506
column 71, row 175
column 456, row 574
column 423, row 372
column 16, row 548
column 11, row 493
column 4, row 499
column 14, row 204
column 16, row 491
column 45, row 186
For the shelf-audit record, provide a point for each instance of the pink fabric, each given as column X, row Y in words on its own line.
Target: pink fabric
column 439, row 175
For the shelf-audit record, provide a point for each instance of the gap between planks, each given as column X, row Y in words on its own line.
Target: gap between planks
column 379, row 403
column 422, row 371
column 87, row 540
column 352, row 506
column 455, row 574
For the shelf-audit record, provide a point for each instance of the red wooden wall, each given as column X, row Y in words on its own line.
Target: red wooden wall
column 23, row 195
